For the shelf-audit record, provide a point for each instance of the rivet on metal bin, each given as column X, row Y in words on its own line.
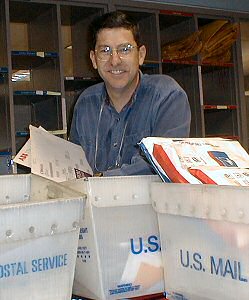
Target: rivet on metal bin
column 241, row 213
column 76, row 225
column 7, row 197
column 116, row 197
column 192, row 209
column 178, row 207
column 223, row 212
column 26, row 197
column 31, row 229
column 9, row 233
column 53, row 228
column 134, row 196
column 207, row 211
column 97, row 198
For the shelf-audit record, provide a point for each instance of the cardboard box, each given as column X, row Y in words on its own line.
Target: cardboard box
column 204, row 232
column 39, row 230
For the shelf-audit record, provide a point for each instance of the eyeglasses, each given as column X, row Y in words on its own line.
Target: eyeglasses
column 123, row 51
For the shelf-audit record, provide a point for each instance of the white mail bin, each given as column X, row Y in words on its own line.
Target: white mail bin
column 119, row 249
column 204, row 231
column 39, row 229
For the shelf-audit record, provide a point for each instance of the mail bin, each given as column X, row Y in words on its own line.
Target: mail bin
column 119, row 249
column 39, row 229
column 204, row 231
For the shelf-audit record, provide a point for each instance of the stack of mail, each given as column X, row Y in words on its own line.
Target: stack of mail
column 198, row 160
column 53, row 157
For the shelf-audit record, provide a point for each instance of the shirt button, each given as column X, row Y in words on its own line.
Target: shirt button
column 115, row 144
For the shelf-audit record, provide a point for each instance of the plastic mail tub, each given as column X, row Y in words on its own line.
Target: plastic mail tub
column 119, row 249
column 204, row 231
column 39, row 230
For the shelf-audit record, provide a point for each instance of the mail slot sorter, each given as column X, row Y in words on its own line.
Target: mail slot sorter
column 39, row 229
column 204, row 231
column 119, row 249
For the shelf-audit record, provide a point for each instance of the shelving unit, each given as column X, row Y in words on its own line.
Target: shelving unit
column 5, row 136
column 37, row 88
column 5, row 139
column 219, row 95
column 175, row 26
column 219, row 102
column 77, row 72
column 45, row 65
column 210, row 86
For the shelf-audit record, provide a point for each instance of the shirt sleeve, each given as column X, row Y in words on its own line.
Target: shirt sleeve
column 171, row 118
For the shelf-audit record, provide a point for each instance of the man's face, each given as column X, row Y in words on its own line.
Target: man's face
column 118, row 73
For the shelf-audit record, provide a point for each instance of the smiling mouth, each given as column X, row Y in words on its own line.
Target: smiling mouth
column 116, row 72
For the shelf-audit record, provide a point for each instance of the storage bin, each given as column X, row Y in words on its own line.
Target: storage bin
column 39, row 230
column 119, row 249
column 204, row 231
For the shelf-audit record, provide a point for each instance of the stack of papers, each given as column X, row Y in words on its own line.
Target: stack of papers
column 198, row 160
column 52, row 157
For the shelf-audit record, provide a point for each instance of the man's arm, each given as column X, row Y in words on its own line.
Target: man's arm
column 138, row 166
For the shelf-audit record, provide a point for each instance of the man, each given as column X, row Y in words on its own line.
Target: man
column 111, row 118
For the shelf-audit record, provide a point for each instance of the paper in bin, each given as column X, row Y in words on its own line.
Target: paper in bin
column 178, row 158
column 52, row 157
column 145, row 270
column 234, row 234
column 222, row 176
column 172, row 166
column 23, row 157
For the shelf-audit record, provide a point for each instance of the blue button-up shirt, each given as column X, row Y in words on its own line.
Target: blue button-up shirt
column 159, row 107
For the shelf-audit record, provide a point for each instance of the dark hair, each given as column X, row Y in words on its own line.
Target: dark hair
column 114, row 19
